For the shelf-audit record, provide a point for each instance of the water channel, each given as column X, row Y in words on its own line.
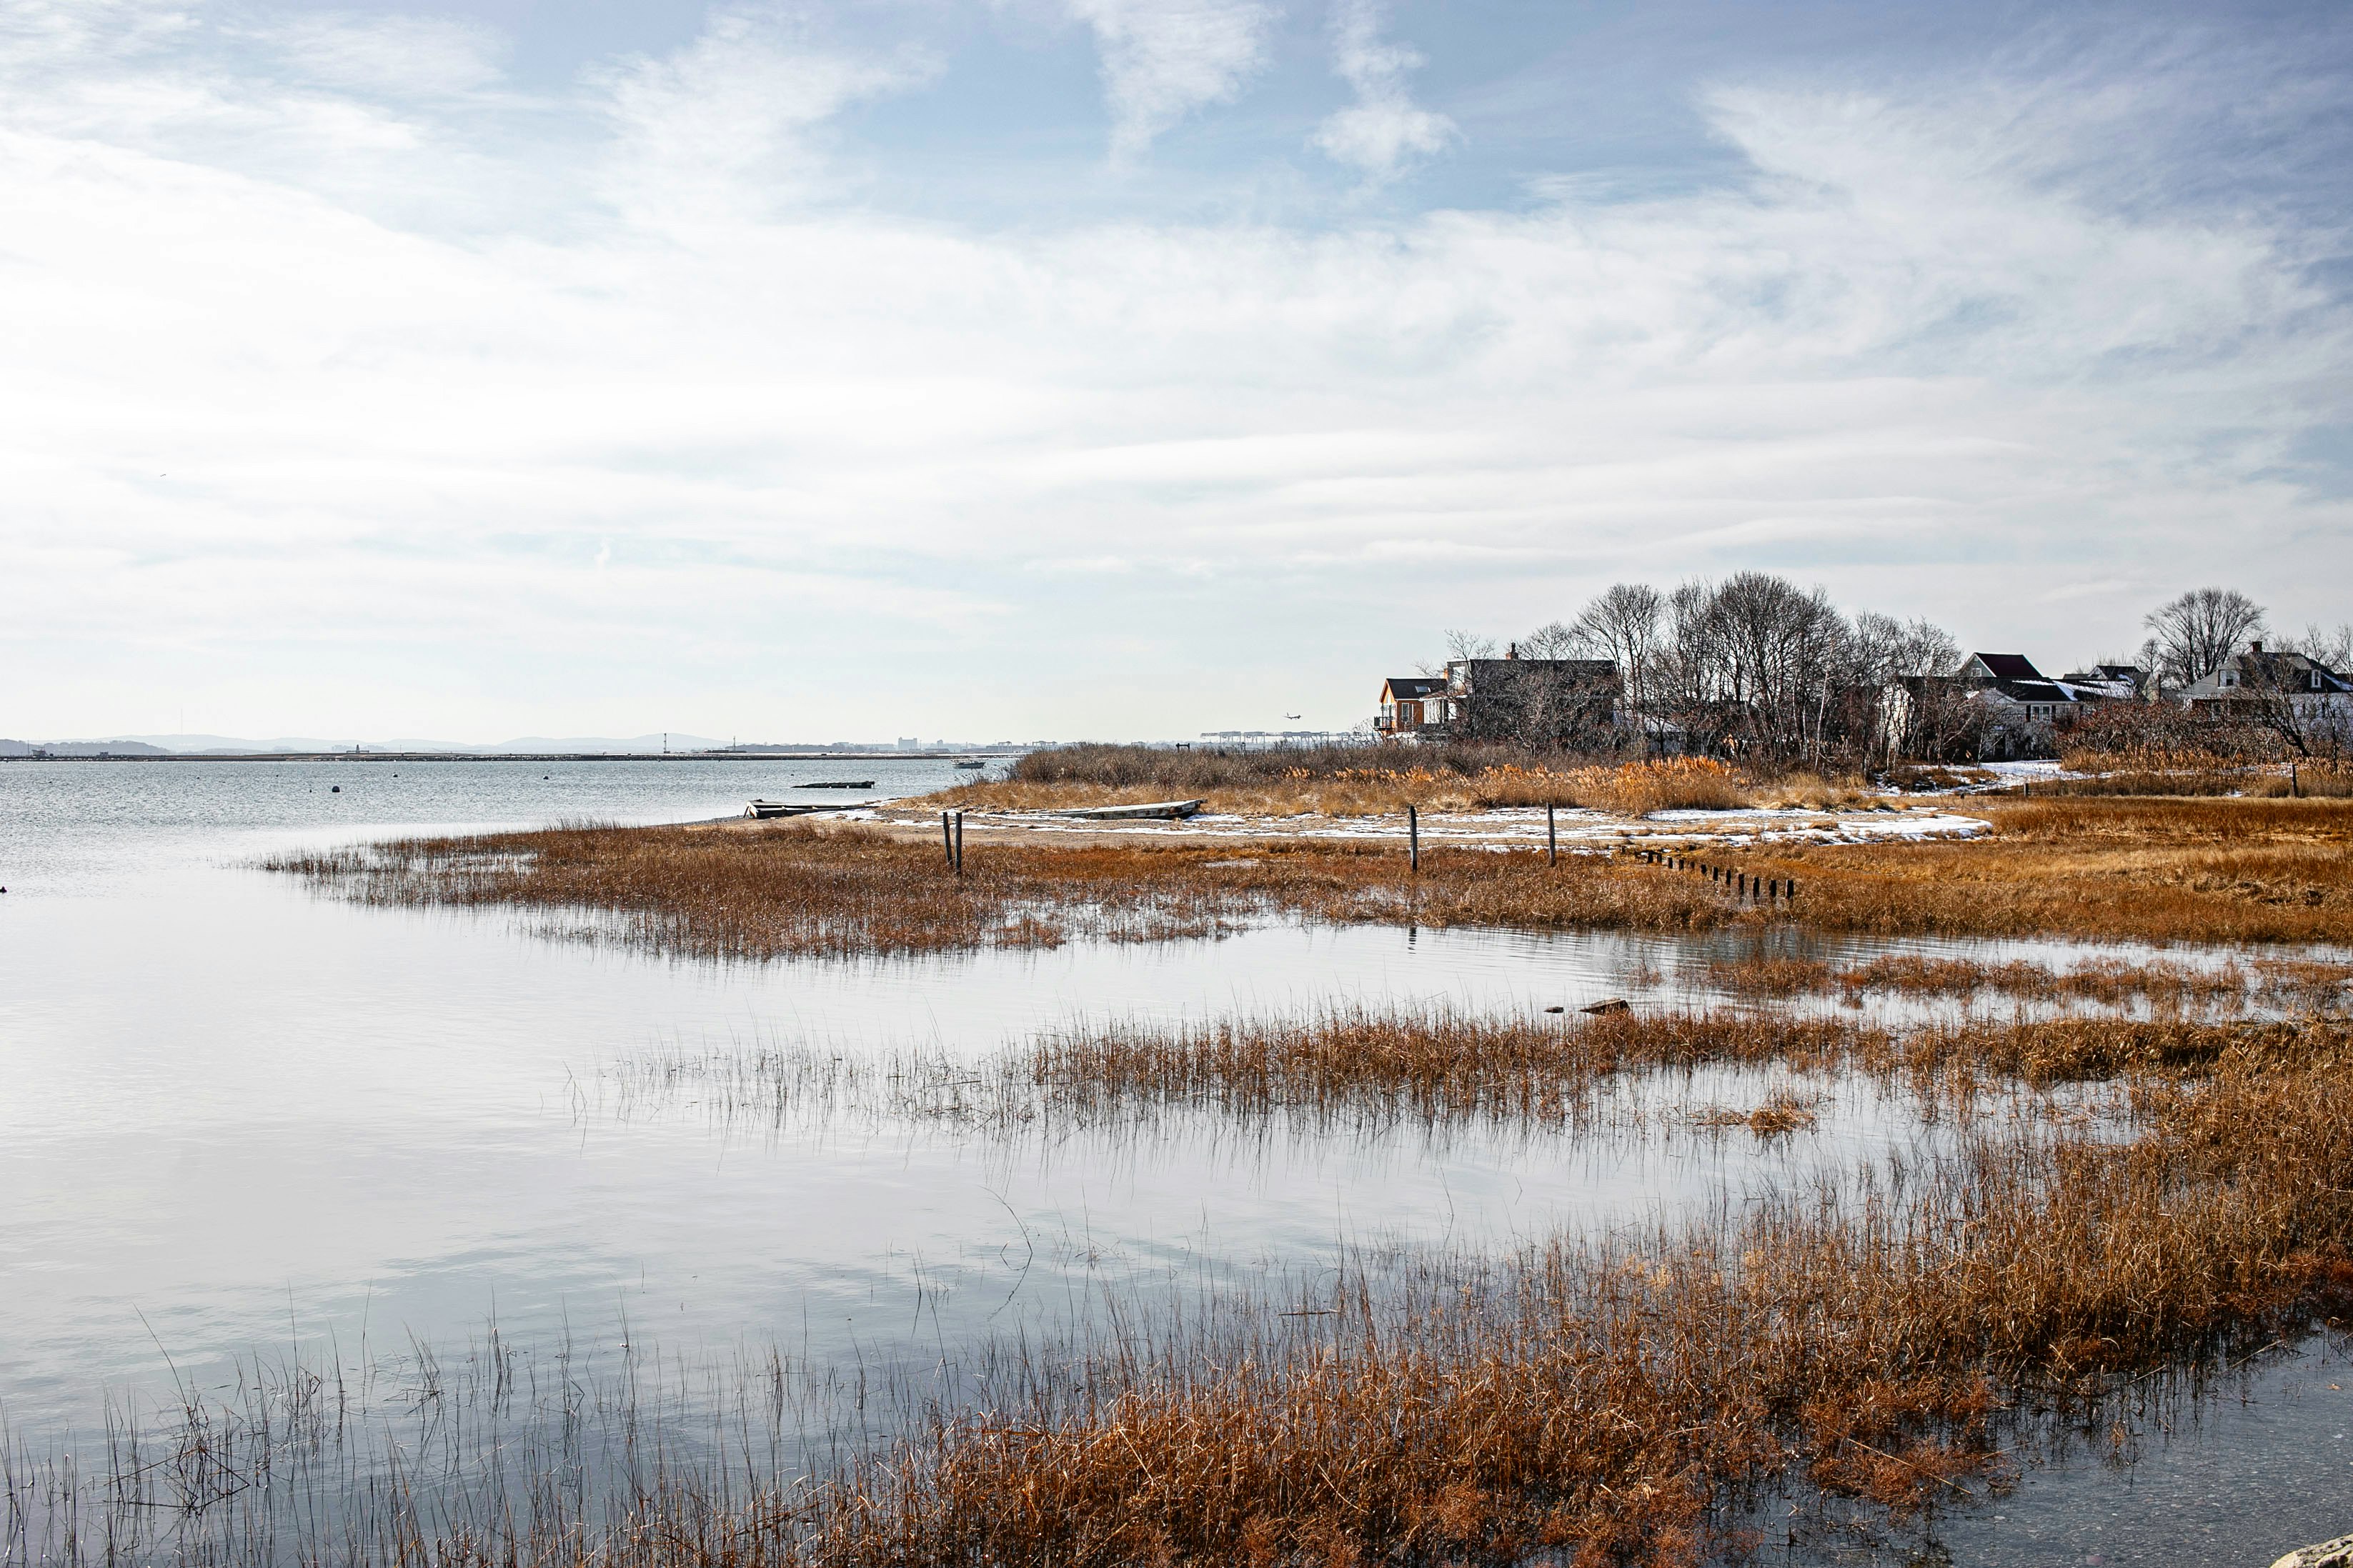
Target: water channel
column 240, row 1119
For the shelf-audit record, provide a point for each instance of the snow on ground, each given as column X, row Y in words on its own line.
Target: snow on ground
column 1507, row 826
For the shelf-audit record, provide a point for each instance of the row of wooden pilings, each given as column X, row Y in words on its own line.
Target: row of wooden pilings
column 1766, row 889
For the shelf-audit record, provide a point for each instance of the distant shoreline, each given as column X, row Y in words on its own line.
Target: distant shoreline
column 525, row 757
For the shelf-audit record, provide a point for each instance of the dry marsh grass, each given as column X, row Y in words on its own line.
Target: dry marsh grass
column 2111, row 983
column 1600, row 1404
column 802, row 889
column 1379, row 785
column 1360, row 1069
column 2157, row 870
column 1579, row 1401
column 2164, row 871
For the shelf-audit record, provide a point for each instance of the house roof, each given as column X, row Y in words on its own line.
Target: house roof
column 2289, row 672
column 1410, row 686
column 2006, row 666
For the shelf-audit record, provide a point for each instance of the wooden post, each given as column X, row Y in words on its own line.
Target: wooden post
column 1413, row 840
column 947, row 841
column 1790, row 891
column 1552, row 836
column 959, row 844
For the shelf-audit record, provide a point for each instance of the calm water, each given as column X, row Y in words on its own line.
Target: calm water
column 237, row 1118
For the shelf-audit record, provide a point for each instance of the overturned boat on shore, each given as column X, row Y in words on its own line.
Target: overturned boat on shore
column 1169, row 809
column 760, row 810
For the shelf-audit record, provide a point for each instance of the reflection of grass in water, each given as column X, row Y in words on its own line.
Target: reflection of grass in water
column 2220, row 870
column 1608, row 1400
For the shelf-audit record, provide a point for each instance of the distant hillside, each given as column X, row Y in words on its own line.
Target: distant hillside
column 84, row 749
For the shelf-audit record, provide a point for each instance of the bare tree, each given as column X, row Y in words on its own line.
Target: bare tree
column 2196, row 633
column 1552, row 640
column 1904, row 700
column 1468, row 645
column 1622, row 626
column 2333, row 650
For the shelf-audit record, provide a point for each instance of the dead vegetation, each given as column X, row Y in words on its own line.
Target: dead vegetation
column 2162, row 871
column 1359, row 1068
column 1357, row 782
column 2108, row 982
column 2093, row 869
column 1599, row 1402
column 1604, row 1403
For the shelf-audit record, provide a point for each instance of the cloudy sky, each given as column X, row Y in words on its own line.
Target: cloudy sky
column 1124, row 367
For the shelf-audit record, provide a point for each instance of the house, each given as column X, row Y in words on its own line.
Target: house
column 2109, row 682
column 1529, row 701
column 1410, row 704
column 2256, row 675
column 2023, row 708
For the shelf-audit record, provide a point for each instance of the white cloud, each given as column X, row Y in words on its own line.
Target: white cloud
column 730, row 115
column 1164, row 58
column 1383, row 130
column 401, row 56
column 256, row 436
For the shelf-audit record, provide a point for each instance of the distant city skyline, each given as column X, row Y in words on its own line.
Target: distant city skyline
column 1105, row 368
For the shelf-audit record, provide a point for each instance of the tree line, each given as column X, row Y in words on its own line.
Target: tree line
column 1755, row 665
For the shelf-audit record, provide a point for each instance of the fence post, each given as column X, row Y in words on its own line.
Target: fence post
column 959, row 844
column 1790, row 891
column 1552, row 835
column 947, row 841
column 1413, row 840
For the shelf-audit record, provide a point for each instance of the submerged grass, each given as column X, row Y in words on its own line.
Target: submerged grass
column 1609, row 1403
column 1580, row 1401
column 1364, row 1068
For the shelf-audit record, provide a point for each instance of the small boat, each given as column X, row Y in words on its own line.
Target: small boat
column 972, row 765
column 761, row 810
column 1159, row 808
column 840, row 784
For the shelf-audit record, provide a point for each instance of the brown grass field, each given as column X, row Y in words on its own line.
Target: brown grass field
column 1382, row 786
column 2188, row 870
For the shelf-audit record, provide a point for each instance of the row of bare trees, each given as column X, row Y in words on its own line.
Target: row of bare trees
column 1756, row 666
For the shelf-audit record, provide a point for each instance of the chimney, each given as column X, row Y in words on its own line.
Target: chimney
column 1514, row 651
column 2257, row 646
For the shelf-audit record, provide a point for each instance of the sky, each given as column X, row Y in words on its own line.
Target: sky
column 1125, row 368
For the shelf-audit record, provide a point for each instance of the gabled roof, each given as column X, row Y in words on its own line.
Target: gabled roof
column 1411, row 685
column 2289, row 673
column 2001, row 666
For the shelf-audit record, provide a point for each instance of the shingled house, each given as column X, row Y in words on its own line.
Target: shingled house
column 2024, row 709
column 2255, row 676
column 1411, row 704
column 1527, row 701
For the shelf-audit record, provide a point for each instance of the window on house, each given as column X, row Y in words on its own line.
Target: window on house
column 2038, row 710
